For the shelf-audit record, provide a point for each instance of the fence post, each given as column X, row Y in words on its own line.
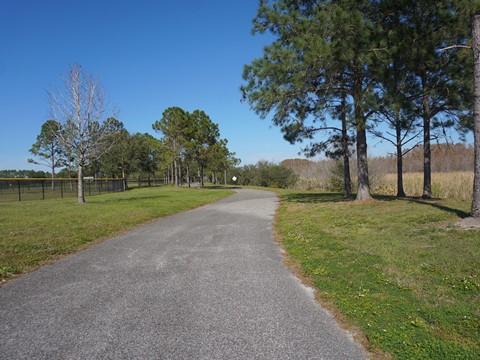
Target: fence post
column 61, row 188
column 43, row 189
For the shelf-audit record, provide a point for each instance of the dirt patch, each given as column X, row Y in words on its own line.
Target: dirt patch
column 469, row 223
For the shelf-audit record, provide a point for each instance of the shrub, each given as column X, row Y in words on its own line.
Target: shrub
column 265, row 174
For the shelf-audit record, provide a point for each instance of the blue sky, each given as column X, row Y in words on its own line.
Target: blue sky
column 149, row 54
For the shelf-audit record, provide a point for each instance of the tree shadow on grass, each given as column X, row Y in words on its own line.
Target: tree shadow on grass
column 317, row 198
column 432, row 202
column 222, row 187
column 123, row 200
column 331, row 198
column 387, row 197
column 428, row 202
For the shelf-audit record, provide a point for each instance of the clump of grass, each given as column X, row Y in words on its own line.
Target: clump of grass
column 35, row 232
column 395, row 268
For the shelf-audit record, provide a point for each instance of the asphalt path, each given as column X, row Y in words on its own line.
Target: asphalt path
column 205, row 284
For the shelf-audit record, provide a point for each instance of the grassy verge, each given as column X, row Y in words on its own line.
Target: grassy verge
column 36, row 232
column 395, row 268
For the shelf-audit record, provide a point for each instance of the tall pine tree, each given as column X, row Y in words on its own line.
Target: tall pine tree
column 321, row 57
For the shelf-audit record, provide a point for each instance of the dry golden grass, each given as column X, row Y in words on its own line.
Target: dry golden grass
column 452, row 185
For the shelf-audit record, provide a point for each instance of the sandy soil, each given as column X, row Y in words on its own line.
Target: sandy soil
column 469, row 223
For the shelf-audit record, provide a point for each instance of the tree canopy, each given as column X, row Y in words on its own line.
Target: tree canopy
column 48, row 149
column 192, row 139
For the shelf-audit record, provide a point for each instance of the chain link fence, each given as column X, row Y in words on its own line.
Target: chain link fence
column 42, row 189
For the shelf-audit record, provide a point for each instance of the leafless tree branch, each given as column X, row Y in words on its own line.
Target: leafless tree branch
column 455, row 47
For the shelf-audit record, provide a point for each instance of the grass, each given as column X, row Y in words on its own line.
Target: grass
column 34, row 233
column 453, row 185
column 397, row 269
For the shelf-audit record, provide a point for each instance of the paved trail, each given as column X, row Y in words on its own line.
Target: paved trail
column 205, row 284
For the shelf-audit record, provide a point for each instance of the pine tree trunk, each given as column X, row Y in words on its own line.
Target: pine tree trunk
column 363, row 192
column 175, row 164
column 476, row 121
column 188, row 175
column 125, row 184
column 427, row 154
column 398, row 130
column 347, row 181
column 175, row 171
column 180, row 175
column 80, row 194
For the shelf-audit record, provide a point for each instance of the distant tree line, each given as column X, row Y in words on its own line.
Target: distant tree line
column 197, row 149
column 327, row 174
column 23, row 174
column 446, row 158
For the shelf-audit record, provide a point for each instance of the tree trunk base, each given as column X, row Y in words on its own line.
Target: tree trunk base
column 363, row 193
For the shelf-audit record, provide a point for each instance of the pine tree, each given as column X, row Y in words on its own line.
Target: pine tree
column 321, row 55
column 204, row 135
column 396, row 86
column 48, row 148
column 174, row 125
column 442, row 76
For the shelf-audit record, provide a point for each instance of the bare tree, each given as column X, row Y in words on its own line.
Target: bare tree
column 80, row 107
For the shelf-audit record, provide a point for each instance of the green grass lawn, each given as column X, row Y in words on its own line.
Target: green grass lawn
column 397, row 269
column 33, row 233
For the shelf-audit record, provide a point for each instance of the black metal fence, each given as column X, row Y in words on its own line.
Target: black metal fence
column 145, row 182
column 41, row 189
